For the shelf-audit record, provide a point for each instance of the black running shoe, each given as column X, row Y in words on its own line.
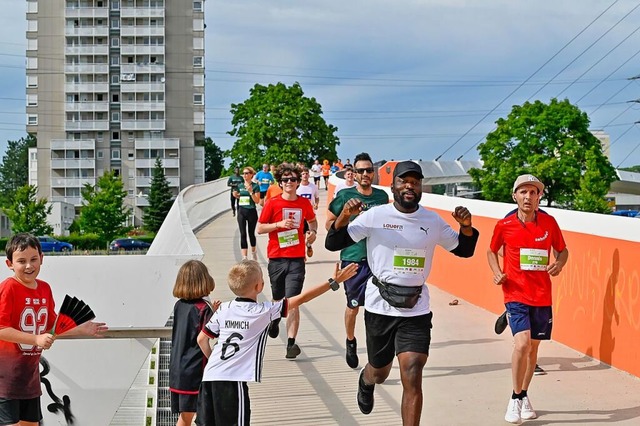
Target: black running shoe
column 352, row 354
column 501, row 323
column 539, row 371
column 274, row 328
column 292, row 351
column 365, row 395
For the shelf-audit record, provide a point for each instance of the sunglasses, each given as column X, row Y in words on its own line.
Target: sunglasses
column 246, row 173
column 366, row 169
column 289, row 179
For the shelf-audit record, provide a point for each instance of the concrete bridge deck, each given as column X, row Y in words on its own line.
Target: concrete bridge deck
column 466, row 380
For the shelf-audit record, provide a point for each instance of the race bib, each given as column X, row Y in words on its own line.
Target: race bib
column 533, row 259
column 244, row 200
column 288, row 238
column 266, row 181
column 409, row 261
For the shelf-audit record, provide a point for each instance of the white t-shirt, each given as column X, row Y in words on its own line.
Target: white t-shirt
column 310, row 192
column 241, row 327
column 343, row 185
column 400, row 248
column 316, row 170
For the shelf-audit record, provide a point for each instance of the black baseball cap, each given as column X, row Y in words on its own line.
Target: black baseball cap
column 404, row 167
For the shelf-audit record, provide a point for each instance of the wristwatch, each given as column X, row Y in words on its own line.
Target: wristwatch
column 335, row 285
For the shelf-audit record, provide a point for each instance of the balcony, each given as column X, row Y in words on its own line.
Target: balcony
column 157, row 144
column 87, row 31
column 145, row 182
column 142, row 12
column 73, row 163
column 126, row 87
column 92, row 49
column 86, row 106
column 71, row 182
column 145, row 31
column 132, row 106
column 76, row 201
column 86, row 68
column 142, row 124
column 86, row 12
column 142, row 68
column 149, row 163
column 64, row 144
column 93, row 125
column 141, row 49
column 86, row 87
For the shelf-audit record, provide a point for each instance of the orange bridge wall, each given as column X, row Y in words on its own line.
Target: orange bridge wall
column 596, row 298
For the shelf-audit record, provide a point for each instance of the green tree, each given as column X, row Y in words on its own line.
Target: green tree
column 278, row 123
column 103, row 212
column 28, row 214
column 159, row 199
column 635, row 169
column 593, row 187
column 550, row 141
column 213, row 159
column 14, row 170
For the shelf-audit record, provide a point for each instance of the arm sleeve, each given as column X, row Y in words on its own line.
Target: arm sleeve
column 212, row 328
column 497, row 240
column 337, row 239
column 466, row 245
column 558, row 242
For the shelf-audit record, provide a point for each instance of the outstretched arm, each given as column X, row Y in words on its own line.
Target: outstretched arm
column 339, row 275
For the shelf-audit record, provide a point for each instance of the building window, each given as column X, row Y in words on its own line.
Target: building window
column 115, row 5
column 198, row 61
column 197, row 6
column 115, row 79
column 115, row 98
column 32, row 25
column 116, row 136
column 115, row 60
column 115, row 42
column 32, row 100
column 32, row 120
column 130, row 154
column 99, row 136
column 198, row 99
column 198, row 43
column 115, row 154
column 115, row 116
column 32, row 44
column 198, row 117
column 100, row 154
column 198, row 24
column 32, row 63
column 115, row 23
column 32, row 81
column 198, row 80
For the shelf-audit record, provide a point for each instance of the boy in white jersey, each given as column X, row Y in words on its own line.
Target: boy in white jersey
column 241, row 327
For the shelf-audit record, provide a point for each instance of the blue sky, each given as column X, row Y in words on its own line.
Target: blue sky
column 408, row 78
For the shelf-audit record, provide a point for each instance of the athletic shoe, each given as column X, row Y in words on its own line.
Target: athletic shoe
column 292, row 351
column 527, row 412
column 254, row 254
column 234, row 213
column 352, row 354
column 365, row 395
column 309, row 251
column 513, row 411
column 274, row 328
column 501, row 323
column 539, row 371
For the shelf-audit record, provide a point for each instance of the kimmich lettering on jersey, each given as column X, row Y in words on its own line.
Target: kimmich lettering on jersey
column 238, row 325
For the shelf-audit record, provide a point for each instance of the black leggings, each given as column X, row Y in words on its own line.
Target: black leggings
column 235, row 202
column 250, row 217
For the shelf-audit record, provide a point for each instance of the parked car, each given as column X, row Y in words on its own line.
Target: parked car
column 49, row 244
column 128, row 244
column 626, row 213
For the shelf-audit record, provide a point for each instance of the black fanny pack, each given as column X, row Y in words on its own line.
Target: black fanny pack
column 398, row 296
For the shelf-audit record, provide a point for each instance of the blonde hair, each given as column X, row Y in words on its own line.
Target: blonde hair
column 253, row 172
column 193, row 281
column 243, row 275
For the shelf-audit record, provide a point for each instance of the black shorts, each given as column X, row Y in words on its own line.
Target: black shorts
column 388, row 336
column 286, row 276
column 183, row 403
column 355, row 287
column 263, row 194
column 223, row 404
column 14, row 410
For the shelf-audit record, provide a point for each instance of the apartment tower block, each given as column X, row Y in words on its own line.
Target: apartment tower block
column 111, row 86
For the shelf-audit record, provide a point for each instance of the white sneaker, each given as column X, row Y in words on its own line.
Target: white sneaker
column 527, row 412
column 513, row 411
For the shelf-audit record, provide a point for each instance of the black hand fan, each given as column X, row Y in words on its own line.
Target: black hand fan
column 73, row 313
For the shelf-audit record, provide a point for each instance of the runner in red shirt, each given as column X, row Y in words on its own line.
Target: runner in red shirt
column 527, row 238
column 283, row 219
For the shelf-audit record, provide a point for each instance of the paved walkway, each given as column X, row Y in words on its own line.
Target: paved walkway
column 466, row 380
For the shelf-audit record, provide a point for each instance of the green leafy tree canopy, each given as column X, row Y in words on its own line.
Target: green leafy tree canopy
column 14, row 170
column 213, row 159
column 103, row 212
column 551, row 141
column 159, row 199
column 278, row 123
column 28, row 214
